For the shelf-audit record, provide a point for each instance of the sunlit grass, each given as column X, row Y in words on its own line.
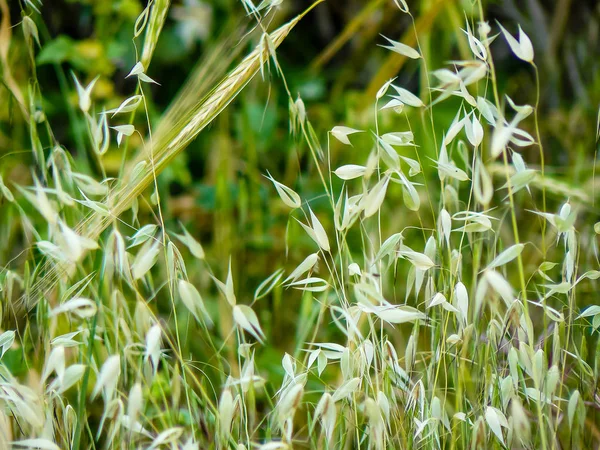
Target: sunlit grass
column 434, row 294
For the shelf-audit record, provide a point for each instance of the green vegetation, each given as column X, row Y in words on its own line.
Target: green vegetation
column 349, row 225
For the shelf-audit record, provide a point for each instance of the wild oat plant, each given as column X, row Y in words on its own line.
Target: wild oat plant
column 428, row 317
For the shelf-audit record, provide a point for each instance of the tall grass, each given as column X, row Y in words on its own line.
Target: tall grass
column 435, row 294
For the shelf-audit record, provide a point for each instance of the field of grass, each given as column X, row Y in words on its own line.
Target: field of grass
column 277, row 224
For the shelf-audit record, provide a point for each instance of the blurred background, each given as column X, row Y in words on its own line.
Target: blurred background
column 333, row 59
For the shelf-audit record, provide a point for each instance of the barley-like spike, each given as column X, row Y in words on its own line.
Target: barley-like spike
column 168, row 142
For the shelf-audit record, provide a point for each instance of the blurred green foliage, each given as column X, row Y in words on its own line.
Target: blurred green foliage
column 333, row 61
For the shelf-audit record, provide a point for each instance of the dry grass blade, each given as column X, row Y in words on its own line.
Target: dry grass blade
column 7, row 78
column 342, row 314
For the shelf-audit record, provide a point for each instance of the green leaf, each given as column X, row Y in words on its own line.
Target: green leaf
column 58, row 51
column 573, row 407
column 590, row 311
